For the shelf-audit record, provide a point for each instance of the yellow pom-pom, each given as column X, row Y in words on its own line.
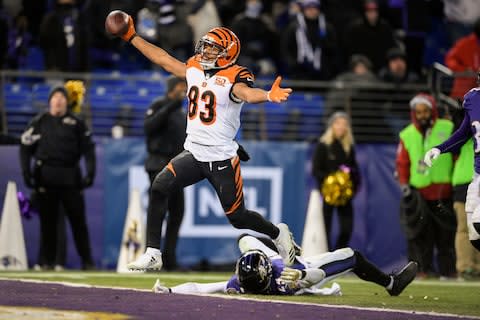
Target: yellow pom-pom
column 76, row 93
column 337, row 188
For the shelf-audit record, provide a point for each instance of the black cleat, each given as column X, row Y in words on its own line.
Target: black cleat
column 403, row 278
column 297, row 248
column 476, row 226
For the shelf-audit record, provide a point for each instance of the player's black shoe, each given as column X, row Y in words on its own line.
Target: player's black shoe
column 297, row 248
column 403, row 278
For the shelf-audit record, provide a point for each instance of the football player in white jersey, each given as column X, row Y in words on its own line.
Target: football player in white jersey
column 217, row 89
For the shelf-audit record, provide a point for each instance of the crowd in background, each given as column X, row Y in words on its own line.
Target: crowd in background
column 359, row 41
column 302, row 39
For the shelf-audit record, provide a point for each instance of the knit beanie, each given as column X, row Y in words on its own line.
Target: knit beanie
column 172, row 81
column 58, row 89
column 336, row 115
column 421, row 98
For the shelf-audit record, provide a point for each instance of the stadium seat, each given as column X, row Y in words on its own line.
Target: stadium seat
column 139, row 98
column 102, row 97
column 17, row 97
column 276, row 118
column 40, row 92
column 115, row 79
column 35, row 60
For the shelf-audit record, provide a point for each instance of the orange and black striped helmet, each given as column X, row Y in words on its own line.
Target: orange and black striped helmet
column 217, row 49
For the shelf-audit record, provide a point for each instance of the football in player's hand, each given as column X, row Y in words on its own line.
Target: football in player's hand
column 116, row 23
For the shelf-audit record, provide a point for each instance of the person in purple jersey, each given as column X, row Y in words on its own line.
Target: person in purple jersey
column 470, row 128
column 261, row 270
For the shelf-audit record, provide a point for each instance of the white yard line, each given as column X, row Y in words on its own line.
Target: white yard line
column 80, row 275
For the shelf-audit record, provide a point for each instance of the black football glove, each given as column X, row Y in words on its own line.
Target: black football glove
column 28, row 180
column 242, row 153
column 87, row 181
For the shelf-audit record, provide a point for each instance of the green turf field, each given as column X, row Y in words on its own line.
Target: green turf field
column 451, row 297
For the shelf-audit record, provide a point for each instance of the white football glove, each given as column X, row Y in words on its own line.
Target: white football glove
column 159, row 288
column 290, row 276
column 431, row 155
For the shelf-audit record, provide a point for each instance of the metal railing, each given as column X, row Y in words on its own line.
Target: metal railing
column 378, row 110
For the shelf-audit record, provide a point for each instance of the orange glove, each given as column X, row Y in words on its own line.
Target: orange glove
column 277, row 94
column 131, row 33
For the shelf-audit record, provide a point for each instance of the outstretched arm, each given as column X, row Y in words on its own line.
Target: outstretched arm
column 452, row 144
column 155, row 54
column 257, row 95
column 160, row 57
column 458, row 138
column 192, row 287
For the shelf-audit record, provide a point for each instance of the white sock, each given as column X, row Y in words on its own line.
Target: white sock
column 153, row 251
column 390, row 285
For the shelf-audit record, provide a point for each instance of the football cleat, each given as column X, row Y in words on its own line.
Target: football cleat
column 403, row 278
column 297, row 248
column 476, row 226
column 285, row 244
column 147, row 261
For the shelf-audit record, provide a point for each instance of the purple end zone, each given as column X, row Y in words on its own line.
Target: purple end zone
column 148, row 305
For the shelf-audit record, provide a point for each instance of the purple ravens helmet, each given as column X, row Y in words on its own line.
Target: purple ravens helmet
column 254, row 272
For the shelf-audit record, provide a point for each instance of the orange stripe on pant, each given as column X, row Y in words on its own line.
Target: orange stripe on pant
column 238, row 185
column 170, row 167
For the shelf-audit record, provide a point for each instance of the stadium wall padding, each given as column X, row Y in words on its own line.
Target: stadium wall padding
column 277, row 183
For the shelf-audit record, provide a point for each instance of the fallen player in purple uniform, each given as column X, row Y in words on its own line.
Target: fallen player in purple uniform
column 261, row 270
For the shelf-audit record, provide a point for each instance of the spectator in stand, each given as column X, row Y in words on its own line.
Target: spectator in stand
column 284, row 14
column 35, row 11
column 4, row 30
column 203, row 17
column 396, row 71
column 352, row 94
column 158, row 23
column 370, row 35
column 359, row 73
column 460, row 17
column 427, row 213
column 341, row 13
column 19, row 40
column 259, row 40
column 360, row 70
column 465, row 56
column 64, row 38
column 310, row 45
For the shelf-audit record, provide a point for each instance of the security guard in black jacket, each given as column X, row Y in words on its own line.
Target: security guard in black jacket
column 165, row 126
column 56, row 140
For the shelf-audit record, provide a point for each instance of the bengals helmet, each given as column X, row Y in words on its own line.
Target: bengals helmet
column 254, row 271
column 217, row 49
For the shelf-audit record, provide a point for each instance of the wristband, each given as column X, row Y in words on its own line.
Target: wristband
column 131, row 38
column 268, row 96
